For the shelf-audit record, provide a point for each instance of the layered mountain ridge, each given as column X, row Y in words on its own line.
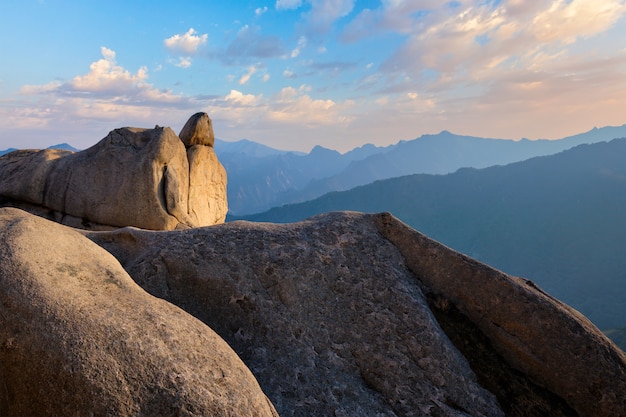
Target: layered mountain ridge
column 260, row 180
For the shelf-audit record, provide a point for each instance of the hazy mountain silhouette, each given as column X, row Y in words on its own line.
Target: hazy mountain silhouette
column 248, row 148
column 559, row 220
column 64, row 146
column 261, row 178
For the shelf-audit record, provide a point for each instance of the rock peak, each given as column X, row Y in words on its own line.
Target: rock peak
column 198, row 131
column 147, row 178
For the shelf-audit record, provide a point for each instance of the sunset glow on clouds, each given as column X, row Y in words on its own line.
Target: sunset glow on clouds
column 296, row 73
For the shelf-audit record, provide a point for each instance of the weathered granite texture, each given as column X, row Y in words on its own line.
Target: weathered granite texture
column 79, row 338
column 145, row 178
column 198, row 131
column 533, row 333
column 350, row 314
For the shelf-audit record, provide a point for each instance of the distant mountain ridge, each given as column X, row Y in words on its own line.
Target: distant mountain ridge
column 249, row 148
column 257, row 183
column 261, row 177
column 64, row 146
column 558, row 220
column 270, row 179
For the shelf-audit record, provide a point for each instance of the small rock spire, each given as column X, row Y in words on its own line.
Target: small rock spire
column 198, row 131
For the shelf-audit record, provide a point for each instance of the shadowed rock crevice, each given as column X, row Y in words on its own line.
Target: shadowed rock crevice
column 546, row 340
column 517, row 394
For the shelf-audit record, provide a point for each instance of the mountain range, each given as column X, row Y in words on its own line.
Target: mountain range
column 558, row 220
column 261, row 178
column 62, row 146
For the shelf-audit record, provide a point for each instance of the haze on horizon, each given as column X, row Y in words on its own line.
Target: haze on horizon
column 292, row 74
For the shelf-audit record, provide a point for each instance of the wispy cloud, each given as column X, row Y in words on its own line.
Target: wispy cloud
column 294, row 105
column 565, row 21
column 246, row 77
column 324, row 13
column 108, row 96
column 183, row 62
column 288, row 4
column 301, row 45
column 469, row 46
column 320, row 15
column 250, row 45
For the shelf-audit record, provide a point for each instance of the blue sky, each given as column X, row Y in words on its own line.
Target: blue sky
column 297, row 73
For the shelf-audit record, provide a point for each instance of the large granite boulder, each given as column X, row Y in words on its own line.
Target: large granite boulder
column 349, row 314
column 79, row 338
column 145, row 178
column 208, row 203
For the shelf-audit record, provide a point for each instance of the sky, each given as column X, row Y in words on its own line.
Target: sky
column 292, row 74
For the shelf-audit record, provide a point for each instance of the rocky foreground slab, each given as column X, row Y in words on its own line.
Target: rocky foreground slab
column 80, row 338
column 344, row 314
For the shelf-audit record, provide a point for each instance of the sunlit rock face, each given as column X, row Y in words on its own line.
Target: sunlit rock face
column 145, row 178
column 80, row 338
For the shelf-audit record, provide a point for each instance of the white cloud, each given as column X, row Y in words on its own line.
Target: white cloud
column 260, row 10
column 288, row 4
column 106, row 76
column 106, row 80
column 241, row 99
column 246, row 77
column 476, row 44
column 187, row 43
column 289, row 74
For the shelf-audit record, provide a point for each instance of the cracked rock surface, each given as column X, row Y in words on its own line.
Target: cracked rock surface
column 353, row 314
